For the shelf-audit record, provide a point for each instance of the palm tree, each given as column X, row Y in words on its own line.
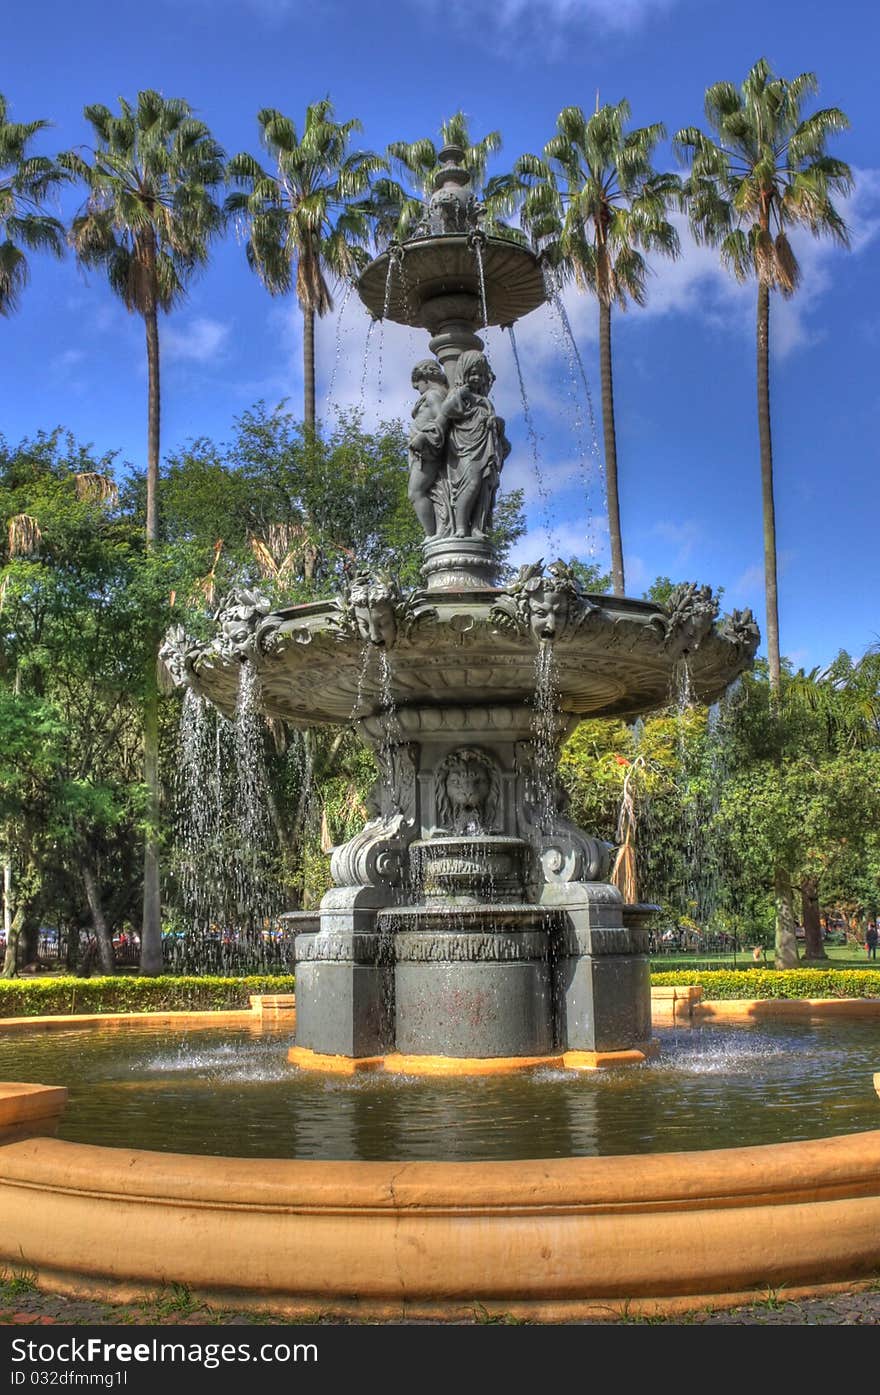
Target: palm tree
column 25, row 182
column 595, row 204
column 397, row 205
column 765, row 172
column 147, row 221
column 303, row 220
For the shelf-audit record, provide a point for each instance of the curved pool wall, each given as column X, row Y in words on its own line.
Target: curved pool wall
column 551, row 1240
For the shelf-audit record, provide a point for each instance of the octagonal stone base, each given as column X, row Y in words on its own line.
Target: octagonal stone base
column 564, row 975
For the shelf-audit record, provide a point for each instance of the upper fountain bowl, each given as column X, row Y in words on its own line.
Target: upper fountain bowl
column 450, row 268
column 613, row 657
column 428, row 280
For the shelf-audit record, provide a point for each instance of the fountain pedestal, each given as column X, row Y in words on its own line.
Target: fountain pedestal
column 460, row 942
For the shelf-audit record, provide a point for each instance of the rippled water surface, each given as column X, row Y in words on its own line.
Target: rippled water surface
column 232, row 1092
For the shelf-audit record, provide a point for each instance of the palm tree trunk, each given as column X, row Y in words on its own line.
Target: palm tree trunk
column 610, row 437
column 151, row 319
column 151, row 930
column 769, row 507
column 309, row 368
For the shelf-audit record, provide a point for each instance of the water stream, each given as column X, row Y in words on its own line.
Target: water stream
column 545, row 735
column 592, row 474
column 226, row 881
column 337, row 347
column 543, row 492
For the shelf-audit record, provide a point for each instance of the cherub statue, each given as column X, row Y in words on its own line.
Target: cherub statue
column 476, row 448
column 426, row 440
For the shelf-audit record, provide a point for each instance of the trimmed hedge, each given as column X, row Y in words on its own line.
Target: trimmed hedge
column 53, row 997
column 775, row 983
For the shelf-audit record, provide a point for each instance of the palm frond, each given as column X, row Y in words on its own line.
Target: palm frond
column 23, row 535
column 94, row 488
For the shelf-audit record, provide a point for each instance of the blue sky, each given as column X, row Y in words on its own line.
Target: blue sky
column 684, row 365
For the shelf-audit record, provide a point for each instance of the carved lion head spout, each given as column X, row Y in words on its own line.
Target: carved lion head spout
column 468, row 791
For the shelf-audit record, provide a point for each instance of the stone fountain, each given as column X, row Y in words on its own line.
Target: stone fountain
column 470, row 919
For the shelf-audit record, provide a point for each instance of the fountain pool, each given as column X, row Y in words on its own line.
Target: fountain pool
column 228, row 1091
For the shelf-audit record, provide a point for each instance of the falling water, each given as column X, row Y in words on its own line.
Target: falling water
column 392, row 736
column 545, row 735
column 227, row 889
column 258, row 899
column 197, row 800
column 393, row 260
column 363, row 397
column 357, row 706
column 477, row 245
column 404, row 287
column 682, row 858
column 564, row 337
column 337, row 351
column 543, row 492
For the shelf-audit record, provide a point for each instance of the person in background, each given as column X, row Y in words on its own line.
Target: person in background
column 871, row 938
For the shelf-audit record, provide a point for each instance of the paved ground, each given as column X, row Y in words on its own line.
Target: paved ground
column 21, row 1304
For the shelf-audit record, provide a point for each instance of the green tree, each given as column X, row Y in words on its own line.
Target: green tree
column 594, row 204
column 764, row 171
column 26, row 180
column 802, row 803
column 149, row 217
column 83, row 596
column 303, row 219
column 298, row 512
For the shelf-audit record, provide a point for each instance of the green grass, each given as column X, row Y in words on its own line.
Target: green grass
column 14, row 1283
column 837, row 957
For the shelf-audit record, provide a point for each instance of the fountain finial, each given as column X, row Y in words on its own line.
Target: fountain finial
column 453, row 206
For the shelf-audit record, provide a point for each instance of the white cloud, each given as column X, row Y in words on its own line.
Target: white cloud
column 549, row 22
column 683, row 537
column 69, row 358
column 507, row 21
column 197, row 341
column 567, row 541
